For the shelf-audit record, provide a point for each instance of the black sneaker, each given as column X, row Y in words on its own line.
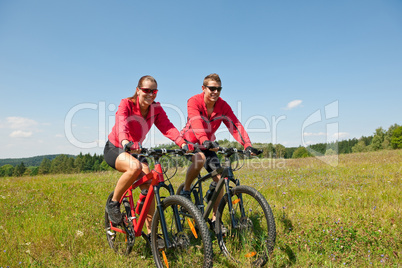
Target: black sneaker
column 212, row 227
column 161, row 243
column 186, row 194
column 113, row 211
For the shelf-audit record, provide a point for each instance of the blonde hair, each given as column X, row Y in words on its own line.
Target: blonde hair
column 140, row 83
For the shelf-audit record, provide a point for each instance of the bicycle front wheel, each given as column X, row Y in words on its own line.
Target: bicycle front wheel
column 188, row 240
column 250, row 238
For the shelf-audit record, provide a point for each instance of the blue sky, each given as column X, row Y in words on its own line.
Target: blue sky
column 295, row 72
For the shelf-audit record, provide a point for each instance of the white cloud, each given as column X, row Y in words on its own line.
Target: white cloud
column 342, row 135
column 331, row 137
column 293, row 104
column 310, row 134
column 15, row 122
column 21, row 134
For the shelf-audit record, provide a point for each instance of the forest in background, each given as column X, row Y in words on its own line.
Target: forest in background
column 66, row 164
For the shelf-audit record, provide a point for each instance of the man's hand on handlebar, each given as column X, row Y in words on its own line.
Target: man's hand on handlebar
column 211, row 145
column 253, row 151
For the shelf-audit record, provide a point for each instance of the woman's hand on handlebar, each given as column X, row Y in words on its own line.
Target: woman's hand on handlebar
column 131, row 147
column 188, row 147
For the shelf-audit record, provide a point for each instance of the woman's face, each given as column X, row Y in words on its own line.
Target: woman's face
column 147, row 98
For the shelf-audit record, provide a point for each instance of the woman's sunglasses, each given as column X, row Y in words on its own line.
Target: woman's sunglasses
column 148, row 90
column 214, row 88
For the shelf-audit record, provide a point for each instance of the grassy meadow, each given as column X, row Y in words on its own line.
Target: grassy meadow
column 326, row 216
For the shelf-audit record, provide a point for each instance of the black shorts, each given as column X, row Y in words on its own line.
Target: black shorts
column 212, row 161
column 111, row 152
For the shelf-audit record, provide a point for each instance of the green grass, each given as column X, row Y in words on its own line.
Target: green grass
column 348, row 215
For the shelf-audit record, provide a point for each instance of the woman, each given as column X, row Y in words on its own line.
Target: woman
column 134, row 117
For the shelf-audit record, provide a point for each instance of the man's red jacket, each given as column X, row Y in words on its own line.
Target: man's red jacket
column 200, row 127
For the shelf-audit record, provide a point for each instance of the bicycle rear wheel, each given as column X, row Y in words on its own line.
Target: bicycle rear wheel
column 188, row 246
column 120, row 242
column 251, row 240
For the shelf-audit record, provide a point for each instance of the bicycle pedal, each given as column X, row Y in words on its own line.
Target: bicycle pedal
column 110, row 233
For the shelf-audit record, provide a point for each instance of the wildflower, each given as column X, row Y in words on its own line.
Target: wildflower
column 79, row 233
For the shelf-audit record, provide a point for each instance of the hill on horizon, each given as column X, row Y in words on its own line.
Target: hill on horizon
column 28, row 161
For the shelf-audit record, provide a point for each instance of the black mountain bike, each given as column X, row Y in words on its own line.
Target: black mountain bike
column 246, row 231
column 177, row 223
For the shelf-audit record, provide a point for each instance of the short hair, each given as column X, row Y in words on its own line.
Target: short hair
column 212, row 77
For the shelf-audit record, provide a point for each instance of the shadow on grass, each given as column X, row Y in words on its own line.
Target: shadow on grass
column 287, row 223
column 288, row 227
column 290, row 253
column 291, row 256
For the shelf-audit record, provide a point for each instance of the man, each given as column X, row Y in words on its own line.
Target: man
column 206, row 112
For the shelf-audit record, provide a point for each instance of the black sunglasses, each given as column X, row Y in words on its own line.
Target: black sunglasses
column 214, row 88
column 148, row 90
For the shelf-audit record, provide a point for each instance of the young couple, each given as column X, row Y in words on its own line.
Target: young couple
column 136, row 115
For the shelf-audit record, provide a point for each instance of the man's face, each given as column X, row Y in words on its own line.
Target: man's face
column 211, row 91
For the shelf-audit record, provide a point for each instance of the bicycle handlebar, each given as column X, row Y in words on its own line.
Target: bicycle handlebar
column 149, row 152
column 159, row 152
column 232, row 150
column 229, row 151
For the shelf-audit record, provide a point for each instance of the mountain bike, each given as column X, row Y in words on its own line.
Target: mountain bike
column 177, row 222
column 244, row 226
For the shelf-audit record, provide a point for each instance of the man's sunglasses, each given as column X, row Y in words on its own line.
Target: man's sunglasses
column 148, row 90
column 214, row 88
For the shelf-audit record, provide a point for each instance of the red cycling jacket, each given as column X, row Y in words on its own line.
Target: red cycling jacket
column 200, row 128
column 131, row 125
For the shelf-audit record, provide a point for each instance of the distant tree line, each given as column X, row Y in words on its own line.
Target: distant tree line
column 381, row 140
column 28, row 161
column 60, row 164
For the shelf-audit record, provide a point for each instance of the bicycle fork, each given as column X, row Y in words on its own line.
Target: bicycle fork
column 168, row 243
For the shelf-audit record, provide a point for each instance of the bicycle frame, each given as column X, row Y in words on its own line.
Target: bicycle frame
column 227, row 176
column 157, row 182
